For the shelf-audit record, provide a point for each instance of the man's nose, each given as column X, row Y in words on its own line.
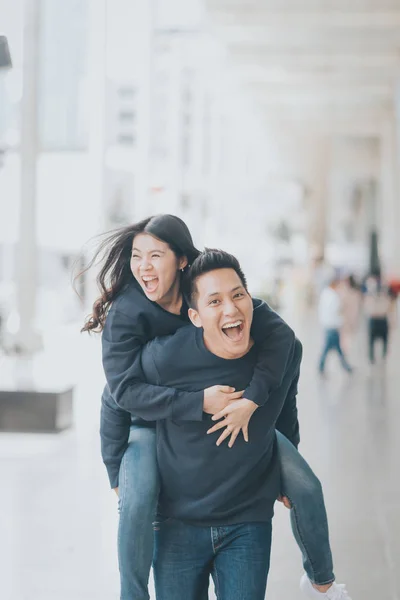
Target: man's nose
column 230, row 308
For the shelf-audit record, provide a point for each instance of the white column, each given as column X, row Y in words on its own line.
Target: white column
column 27, row 339
column 390, row 195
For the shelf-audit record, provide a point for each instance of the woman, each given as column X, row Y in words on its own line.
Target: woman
column 141, row 298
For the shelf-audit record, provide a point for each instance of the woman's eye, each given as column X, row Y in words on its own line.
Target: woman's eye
column 214, row 302
column 239, row 295
column 155, row 256
column 134, row 256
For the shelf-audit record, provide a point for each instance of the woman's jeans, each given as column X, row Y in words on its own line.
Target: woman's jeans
column 308, row 514
column 138, row 495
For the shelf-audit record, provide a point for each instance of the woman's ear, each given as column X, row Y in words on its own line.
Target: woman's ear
column 183, row 262
column 194, row 317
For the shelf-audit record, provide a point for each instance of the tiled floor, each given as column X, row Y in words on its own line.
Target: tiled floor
column 58, row 519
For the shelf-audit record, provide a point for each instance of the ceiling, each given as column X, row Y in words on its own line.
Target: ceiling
column 332, row 60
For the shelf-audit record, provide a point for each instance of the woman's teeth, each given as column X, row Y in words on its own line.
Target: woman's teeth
column 150, row 283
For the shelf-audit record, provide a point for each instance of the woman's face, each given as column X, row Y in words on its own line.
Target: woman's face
column 155, row 267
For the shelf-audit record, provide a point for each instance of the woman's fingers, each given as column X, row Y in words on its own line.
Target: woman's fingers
column 218, row 426
column 234, row 435
column 224, row 435
column 245, row 434
column 235, row 396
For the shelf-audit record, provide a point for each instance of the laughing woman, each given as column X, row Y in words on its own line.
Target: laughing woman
column 141, row 298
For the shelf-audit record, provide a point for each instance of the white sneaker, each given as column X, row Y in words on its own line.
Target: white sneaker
column 337, row 591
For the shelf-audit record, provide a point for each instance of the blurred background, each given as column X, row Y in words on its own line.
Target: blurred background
column 272, row 127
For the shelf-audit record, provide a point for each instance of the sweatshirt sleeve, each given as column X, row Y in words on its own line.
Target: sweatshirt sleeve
column 122, row 344
column 114, row 435
column 287, row 422
column 274, row 341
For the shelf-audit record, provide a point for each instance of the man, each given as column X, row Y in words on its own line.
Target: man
column 216, row 504
column 330, row 315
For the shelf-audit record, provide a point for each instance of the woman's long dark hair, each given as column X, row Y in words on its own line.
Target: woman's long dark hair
column 115, row 251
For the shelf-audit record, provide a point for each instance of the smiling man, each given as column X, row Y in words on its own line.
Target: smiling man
column 216, row 504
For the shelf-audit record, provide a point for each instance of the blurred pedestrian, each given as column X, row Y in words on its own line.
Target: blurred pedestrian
column 379, row 306
column 351, row 309
column 331, row 319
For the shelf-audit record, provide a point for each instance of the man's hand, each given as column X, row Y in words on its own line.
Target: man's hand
column 237, row 416
column 217, row 397
column 116, row 491
column 285, row 501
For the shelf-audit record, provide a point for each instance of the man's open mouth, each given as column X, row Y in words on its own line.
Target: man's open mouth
column 150, row 283
column 233, row 330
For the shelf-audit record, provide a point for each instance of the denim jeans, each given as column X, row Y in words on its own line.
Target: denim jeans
column 139, row 487
column 308, row 514
column 332, row 342
column 138, row 496
column 236, row 556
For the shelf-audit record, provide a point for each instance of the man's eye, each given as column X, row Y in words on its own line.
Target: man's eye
column 239, row 295
column 155, row 256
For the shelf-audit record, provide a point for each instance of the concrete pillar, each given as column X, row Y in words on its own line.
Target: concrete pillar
column 390, row 198
column 27, row 340
column 317, row 197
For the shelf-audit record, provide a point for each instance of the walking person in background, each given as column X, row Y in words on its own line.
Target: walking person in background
column 379, row 307
column 331, row 319
column 351, row 310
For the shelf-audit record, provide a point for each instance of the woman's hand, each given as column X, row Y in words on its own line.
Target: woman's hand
column 217, row 397
column 237, row 416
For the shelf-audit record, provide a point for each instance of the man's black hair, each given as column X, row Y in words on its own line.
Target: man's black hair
column 209, row 260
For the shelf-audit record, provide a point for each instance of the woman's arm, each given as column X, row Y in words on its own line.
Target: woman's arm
column 114, row 434
column 274, row 341
column 287, row 422
column 126, row 393
column 122, row 344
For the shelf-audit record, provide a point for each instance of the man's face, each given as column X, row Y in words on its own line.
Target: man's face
column 225, row 311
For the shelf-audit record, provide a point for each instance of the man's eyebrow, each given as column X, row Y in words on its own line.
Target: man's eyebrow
column 238, row 287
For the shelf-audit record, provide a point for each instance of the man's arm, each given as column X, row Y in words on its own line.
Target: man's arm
column 274, row 342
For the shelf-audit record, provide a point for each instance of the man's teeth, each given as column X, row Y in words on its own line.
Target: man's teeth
column 230, row 325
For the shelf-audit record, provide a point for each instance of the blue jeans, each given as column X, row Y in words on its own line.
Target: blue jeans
column 332, row 342
column 236, row 556
column 308, row 514
column 139, row 487
column 138, row 496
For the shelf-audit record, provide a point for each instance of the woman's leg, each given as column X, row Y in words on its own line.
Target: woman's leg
column 308, row 514
column 138, row 496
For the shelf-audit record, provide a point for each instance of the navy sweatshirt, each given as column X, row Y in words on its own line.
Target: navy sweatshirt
column 132, row 321
column 201, row 483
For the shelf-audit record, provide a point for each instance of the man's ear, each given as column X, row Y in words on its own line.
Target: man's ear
column 194, row 317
